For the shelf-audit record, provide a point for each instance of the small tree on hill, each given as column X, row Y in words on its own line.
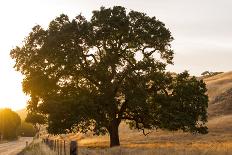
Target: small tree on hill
column 92, row 75
column 206, row 74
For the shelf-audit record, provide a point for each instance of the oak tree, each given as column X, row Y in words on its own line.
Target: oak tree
column 90, row 75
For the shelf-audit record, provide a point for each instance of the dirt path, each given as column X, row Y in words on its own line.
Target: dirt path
column 14, row 147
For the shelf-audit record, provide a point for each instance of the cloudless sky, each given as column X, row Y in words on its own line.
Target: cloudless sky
column 202, row 30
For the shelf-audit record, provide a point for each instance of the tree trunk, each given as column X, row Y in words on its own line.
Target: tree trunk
column 114, row 136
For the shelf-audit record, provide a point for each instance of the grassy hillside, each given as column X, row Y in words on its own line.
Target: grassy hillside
column 218, row 84
column 220, row 95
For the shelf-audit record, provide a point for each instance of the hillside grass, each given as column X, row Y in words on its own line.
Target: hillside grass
column 218, row 84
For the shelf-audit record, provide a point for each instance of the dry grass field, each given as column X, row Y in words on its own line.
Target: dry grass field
column 220, row 94
column 218, row 141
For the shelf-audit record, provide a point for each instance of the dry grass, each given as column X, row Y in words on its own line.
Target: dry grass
column 219, row 91
column 218, row 141
column 218, row 84
column 158, row 151
column 37, row 148
column 216, row 148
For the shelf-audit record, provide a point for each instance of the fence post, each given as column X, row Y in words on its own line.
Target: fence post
column 58, row 147
column 54, row 145
column 61, row 147
column 73, row 148
column 49, row 144
column 52, row 142
column 46, row 141
column 64, row 148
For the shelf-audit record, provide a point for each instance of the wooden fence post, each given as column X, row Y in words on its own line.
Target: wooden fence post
column 58, row 147
column 55, row 145
column 64, row 148
column 49, row 145
column 46, row 141
column 52, row 142
column 61, row 147
column 73, row 148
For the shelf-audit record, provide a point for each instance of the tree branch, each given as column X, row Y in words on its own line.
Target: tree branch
column 93, row 56
column 122, row 109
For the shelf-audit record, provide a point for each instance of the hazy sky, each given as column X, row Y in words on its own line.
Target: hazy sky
column 202, row 30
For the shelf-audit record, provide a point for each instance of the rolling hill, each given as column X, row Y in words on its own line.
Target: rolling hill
column 220, row 95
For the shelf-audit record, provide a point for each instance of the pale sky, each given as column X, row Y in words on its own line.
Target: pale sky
column 202, row 30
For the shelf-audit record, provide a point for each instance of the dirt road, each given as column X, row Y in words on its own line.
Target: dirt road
column 14, row 147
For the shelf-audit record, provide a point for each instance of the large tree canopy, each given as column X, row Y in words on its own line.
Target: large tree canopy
column 89, row 75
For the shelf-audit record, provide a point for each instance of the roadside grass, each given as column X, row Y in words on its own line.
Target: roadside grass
column 36, row 148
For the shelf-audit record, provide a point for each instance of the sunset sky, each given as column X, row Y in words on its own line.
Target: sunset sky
column 202, row 30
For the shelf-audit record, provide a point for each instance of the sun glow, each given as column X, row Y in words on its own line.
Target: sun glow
column 11, row 94
column 17, row 20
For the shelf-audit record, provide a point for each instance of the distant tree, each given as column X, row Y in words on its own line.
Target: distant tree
column 9, row 123
column 205, row 73
column 26, row 130
column 36, row 120
column 209, row 74
column 92, row 75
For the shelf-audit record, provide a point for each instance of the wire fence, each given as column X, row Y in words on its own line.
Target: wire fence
column 62, row 147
